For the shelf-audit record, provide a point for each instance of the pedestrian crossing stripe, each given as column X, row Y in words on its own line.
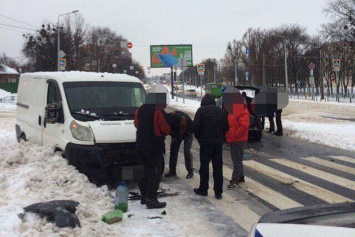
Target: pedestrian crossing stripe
column 317, row 173
column 267, row 194
column 277, row 199
column 229, row 205
column 299, row 184
column 331, row 164
column 344, row 158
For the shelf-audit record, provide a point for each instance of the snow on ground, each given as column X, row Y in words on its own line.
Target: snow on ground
column 7, row 107
column 310, row 120
column 4, row 93
column 30, row 173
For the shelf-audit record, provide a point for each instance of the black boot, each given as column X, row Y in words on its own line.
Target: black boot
column 171, row 173
column 278, row 133
column 154, row 203
column 143, row 200
column 190, row 174
column 200, row 192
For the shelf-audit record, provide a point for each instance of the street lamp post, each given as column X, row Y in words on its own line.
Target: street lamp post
column 286, row 74
column 58, row 50
column 236, row 71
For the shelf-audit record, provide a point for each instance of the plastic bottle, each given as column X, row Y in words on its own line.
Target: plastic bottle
column 121, row 200
column 112, row 216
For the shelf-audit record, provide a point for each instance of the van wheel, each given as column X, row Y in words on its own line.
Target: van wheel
column 61, row 151
column 23, row 137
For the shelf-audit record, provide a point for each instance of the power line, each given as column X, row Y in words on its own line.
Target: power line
column 18, row 21
column 15, row 30
column 17, row 27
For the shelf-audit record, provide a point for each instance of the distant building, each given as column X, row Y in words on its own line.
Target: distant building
column 9, row 78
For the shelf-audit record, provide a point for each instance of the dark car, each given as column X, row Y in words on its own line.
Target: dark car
column 255, row 125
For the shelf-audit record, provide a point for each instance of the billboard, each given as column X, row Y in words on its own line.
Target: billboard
column 169, row 55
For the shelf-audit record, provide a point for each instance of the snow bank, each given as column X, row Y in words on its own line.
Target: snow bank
column 338, row 135
column 30, row 173
column 4, row 93
column 7, row 107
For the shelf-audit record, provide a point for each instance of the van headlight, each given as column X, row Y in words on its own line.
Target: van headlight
column 81, row 133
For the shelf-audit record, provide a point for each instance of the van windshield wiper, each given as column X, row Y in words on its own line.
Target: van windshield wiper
column 118, row 114
column 85, row 114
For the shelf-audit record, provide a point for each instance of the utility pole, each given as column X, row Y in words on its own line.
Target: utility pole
column 214, row 73
column 183, row 81
column 98, row 55
column 235, row 71
column 321, row 76
column 286, row 75
column 264, row 74
column 58, row 43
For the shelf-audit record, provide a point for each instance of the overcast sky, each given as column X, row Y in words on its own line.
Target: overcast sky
column 207, row 25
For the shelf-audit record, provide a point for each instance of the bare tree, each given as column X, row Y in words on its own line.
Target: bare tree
column 340, row 33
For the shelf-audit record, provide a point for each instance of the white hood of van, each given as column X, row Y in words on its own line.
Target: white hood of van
column 113, row 131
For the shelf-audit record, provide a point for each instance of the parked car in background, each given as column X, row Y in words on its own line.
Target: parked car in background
column 146, row 86
column 191, row 92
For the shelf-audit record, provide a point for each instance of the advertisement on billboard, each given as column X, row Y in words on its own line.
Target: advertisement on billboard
column 169, row 55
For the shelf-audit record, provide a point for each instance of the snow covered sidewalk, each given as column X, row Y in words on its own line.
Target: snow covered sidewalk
column 330, row 124
column 30, row 173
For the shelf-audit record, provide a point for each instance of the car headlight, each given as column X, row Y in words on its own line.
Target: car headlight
column 81, row 133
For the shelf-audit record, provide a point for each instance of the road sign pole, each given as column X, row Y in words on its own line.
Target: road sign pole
column 337, row 87
column 201, row 78
column 172, row 82
column 312, row 87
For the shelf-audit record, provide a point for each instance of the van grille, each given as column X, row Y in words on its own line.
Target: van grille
column 122, row 154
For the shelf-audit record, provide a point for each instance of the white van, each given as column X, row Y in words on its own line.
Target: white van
column 88, row 116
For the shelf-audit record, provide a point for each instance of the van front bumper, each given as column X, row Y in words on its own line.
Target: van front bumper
column 102, row 155
column 102, row 162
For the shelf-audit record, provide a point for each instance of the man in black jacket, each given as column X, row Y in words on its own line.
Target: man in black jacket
column 210, row 128
column 181, row 130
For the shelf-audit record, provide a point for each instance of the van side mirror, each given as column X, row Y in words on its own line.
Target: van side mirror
column 52, row 113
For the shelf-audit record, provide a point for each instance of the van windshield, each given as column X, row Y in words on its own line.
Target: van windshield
column 88, row 100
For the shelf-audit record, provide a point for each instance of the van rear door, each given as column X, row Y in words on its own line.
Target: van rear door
column 29, row 112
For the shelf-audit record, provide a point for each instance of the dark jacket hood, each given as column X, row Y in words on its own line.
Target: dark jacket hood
column 208, row 100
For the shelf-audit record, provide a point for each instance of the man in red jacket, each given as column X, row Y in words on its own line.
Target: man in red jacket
column 237, row 136
column 151, row 131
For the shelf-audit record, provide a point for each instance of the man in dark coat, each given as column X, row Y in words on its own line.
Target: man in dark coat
column 210, row 128
column 181, row 130
column 151, row 130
